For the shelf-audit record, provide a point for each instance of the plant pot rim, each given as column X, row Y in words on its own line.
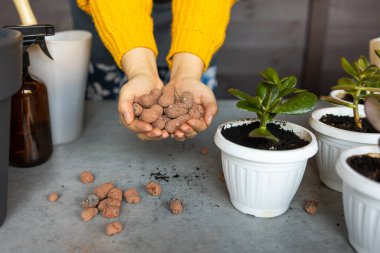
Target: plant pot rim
column 335, row 93
column 268, row 156
column 355, row 179
column 317, row 125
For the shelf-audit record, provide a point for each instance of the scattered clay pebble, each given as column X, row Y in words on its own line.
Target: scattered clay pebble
column 153, row 188
column 115, row 193
column 114, row 228
column 102, row 204
column 53, row 197
column 221, row 177
column 176, row 206
column 311, row 206
column 111, row 212
column 86, row 177
column 102, row 190
column 91, row 201
column 204, row 151
column 132, row 196
column 89, row 213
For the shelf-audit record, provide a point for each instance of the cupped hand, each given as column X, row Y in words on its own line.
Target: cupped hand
column 140, row 67
column 202, row 95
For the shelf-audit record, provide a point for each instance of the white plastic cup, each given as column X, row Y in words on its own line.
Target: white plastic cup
column 65, row 78
column 374, row 44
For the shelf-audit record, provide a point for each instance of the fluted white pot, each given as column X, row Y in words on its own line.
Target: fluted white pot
column 361, row 202
column 333, row 141
column 263, row 182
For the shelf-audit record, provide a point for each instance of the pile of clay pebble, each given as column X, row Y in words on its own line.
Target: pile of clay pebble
column 107, row 199
column 166, row 110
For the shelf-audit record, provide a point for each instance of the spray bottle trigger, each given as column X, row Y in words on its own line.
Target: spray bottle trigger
column 42, row 43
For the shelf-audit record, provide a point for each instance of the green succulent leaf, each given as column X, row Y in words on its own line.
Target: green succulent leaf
column 261, row 90
column 245, row 105
column 372, row 81
column 363, row 62
column 345, row 87
column 271, row 96
column 348, row 67
column 346, row 81
column 370, row 70
column 271, row 75
column 239, row 94
column 377, row 52
column 288, row 82
column 263, row 133
column 298, row 104
column 337, row 101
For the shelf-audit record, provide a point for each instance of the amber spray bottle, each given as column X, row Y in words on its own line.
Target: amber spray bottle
column 30, row 138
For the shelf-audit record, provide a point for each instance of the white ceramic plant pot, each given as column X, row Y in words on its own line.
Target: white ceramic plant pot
column 332, row 141
column 361, row 202
column 263, row 182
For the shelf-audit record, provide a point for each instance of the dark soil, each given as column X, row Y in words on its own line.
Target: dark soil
column 349, row 98
column 347, row 123
column 239, row 135
column 366, row 165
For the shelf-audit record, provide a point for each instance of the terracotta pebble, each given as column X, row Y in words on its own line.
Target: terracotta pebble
column 86, row 177
column 89, row 213
column 114, row 228
column 176, row 206
column 53, row 197
column 132, row 196
column 311, row 206
column 102, row 190
column 153, row 188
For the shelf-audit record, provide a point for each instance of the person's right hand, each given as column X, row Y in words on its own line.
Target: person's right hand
column 139, row 65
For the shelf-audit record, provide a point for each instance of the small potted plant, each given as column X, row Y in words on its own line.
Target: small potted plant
column 359, row 169
column 339, row 128
column 344, row 96
column 264, row 159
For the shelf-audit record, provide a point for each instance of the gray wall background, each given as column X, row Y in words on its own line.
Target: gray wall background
column 305, row 38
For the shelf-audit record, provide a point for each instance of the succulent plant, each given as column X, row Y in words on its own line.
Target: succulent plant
column 364, row 80
column 270, row 100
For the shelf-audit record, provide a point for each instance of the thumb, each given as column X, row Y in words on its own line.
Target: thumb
column 211, row 110
column 125, row 107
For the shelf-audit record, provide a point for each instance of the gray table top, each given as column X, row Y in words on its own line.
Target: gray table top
column 209, row 223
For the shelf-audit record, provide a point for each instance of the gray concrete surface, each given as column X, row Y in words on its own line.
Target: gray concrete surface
column 209, row 223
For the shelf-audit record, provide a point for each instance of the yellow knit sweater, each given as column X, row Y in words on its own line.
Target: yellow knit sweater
column 199, row 26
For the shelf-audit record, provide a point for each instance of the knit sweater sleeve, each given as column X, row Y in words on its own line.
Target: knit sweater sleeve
column 199, row 27
column 122, row 24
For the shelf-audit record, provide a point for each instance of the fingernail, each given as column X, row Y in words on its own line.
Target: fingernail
column 209, row 120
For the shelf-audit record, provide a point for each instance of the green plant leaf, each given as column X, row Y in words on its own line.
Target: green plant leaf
column 363, row 62
column 344, row 87
column 239, row 94
column 370, row 70
column 298, row 104
column 288, row 91
column 372, row 81
column 271, row 75
column 263, row 133
column 369, row 89
column 245, row 105
column 271, row 96
column 261, row 90
column 288, row 82
column 348, row 67
column 346, row 81
column 337, row 101
column 377, row 52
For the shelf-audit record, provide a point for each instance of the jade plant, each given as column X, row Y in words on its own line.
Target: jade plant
column 364, row 80
column 274, row 96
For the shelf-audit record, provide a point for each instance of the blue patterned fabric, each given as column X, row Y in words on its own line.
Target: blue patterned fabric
column 104, row 81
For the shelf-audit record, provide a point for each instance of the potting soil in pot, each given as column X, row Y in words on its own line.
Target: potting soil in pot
column 239, row 135
column 367, row 165
column 347, row 123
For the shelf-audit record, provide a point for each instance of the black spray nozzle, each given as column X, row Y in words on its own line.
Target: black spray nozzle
column 35, row 34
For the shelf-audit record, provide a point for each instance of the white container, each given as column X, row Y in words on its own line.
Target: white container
column 361, row 202
column 65, row 78
column 374, row 44
column 339, row 94
column 333, row 141
column 263, row 182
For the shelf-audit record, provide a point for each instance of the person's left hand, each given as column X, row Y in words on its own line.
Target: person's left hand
column 202, row 95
